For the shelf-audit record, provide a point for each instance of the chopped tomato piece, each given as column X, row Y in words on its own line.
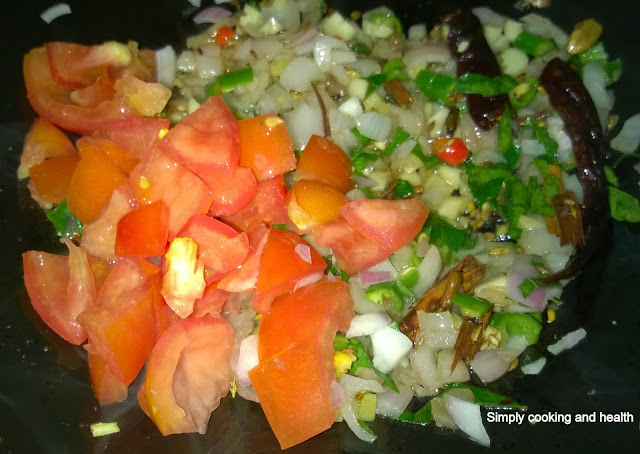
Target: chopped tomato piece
column 106, row 386
column 224, row 35
column 265, row 146
column 60, row 288
column 187, row 375
column 452, row 151
column 94, row 180
column 231, row 190
column 78, row 66
column 136, row 135
column 106, row 146
column 389, row 223
column 122, row 327
column 295, row 348
column 267, row 206
column 144, row 98
column 50, row 179
column 95, row 94
column 159, row 177
column 183, row 276
column 43, row 141
column 353, row 251
column 211, row 302
column 244, row 279
column 220, row 247
column 310, row 203
column 207, row 140
column 99, row 237
column 143, row 232
column 287, row 262
column 52, row 101
column 324, row 161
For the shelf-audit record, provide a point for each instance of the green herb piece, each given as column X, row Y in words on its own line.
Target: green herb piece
column 399, row 137
column 477, row 84
column 542, row 135
column 363, row 360
column 280, row 226
column 596, row 53
column 550, row 183
column 423, row 416
column 534, row 45
column 512, row 323
column 486, row 182
column 392, row 69
column 471, row 306
column 487, row 398
column 441, row 233
column 624, row 206
column 360, row 160
column 436, row 86
column 612, row 71
column 384, row 16
column 365, row 427
column 338, row 272
column 522, row 94
column 340, row 342
column 394, row 324
column 362, row 49
column 227, row 82
column 611, row 176
column 404, row 289
column 402, row 189
column 379, row 293
column 509, row 151
column 375, row 81
column 528, row 286
column 67, row 225
column 518, row 197
column 364, row 140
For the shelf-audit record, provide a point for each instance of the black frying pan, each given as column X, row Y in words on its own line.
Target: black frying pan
column 46, row 402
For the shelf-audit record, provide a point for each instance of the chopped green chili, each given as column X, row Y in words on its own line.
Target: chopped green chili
column 379, row 293
column 64, row 221
column 471, row 306
column 227, row 82
column 522, row 94
column 486, row 86
column 534, row 45
column 513, row 323
column 436, row 86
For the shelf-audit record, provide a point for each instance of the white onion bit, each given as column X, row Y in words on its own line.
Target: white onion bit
column 368, row 324
column 468, row 418
column 304, row 252
column 628, row 139
column 568, row 341
column 55, row 11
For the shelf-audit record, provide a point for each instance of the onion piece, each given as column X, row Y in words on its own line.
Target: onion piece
column 304, row 252
column 404, row 149
column 356, row 194
column 308, row 280
column 211, row 15
column 389, row 347
column 303, row 122
column 487, row 16
column 361, row 304
column 247, row 360
column 428, row 271
column 299, row 74
column 338, row 397
column 195, row 3
column 489, row 365
column 468, row 418
column 535, row 367
column 521, row 269
column 433, row 52
column 374, row 125
column 391, row 404
column 352, row 386
column 594, row 82
column 55, row 11
column 628, row 139
column 368, row 324
column 374, row 277
column 568, row 341
column 166, row 65
column 538, row 25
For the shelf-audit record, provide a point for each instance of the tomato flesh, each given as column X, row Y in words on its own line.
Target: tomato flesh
column 232, row 191
column 187, row 375
column 452, row 151
column 107, row 388
column 143, row 232
column 323, row 161
column 43, row 141
column 50, row 179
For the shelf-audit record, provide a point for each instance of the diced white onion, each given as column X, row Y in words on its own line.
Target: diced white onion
column 352, row 386
column 628, row 139
column 389, row 347
column 567, row 341
column 55, row 11
column 166, row 65
column 468, row 418
column 355, row 194
column 361, row 304
column 351, row 107
column 247, row 360
column 487, row 16
column 433, row 52
column 404, row 149
column 211, row 15
column 391, row 404
column 374, row 125
column 195, row 3
column 368, row 324
column 535, row 367
column 489, row 365
column 303, row 122
column 299, row 74
column 521, row 269
column 594, row 82
column 428, row 271
column 304, row 252
column 538, row 25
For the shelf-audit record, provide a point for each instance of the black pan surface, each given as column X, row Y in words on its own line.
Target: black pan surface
column 46, row 401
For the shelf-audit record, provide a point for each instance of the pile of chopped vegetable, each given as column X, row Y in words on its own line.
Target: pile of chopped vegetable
column 320, row 209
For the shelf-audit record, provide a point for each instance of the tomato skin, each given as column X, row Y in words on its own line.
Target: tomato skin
column 353, row 251
column 122, row 327
column 99, row 237
column 60, row 288
column 323, row 161
column 282, row 268
column 187, row 374
column 143, row 232
column 44, row 140
column 452, row 151
column 50, row 179
column 389, row 223
column 211, row 302
column 95, row 94
column 207, row 140
column 116, row 153
column 95, row 178
column 232, row 191
column 160, row 177
column 265, row 146
column 295, row 349
column 52, row 102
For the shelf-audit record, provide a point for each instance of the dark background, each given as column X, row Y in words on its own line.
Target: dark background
column 46, row 402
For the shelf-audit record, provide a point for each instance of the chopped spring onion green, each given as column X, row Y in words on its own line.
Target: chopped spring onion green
column 486, row 86
column 100, row 429
column 624, row 207
column 227, row 82
column 534, row 45
column 399, row 137
column 375, row 81
column 362, row 49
